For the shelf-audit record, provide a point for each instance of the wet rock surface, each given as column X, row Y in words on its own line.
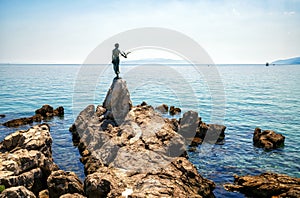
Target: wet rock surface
column 267, row 139
column 266, row 185
column 143, row 156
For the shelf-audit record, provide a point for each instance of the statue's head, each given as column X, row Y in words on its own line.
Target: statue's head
column 117, row 45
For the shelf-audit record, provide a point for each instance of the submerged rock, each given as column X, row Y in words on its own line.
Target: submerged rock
column 142, row 156
column 266, row 185
column 267, row 139
column 2, row 116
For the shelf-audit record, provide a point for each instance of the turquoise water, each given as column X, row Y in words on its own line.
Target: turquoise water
column 241, row 97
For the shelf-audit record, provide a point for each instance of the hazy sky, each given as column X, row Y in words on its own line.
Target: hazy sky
column 66, row 31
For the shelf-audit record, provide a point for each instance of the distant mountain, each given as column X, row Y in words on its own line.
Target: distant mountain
column 290, row 61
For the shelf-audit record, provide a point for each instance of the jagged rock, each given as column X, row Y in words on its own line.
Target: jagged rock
column 144, row 103
column 195, row 131
column 178, row 179
column 75, row 195
column 210, row 133
column 44, row 194
column 117, row 100
column 174, row 110
column 162, row 108
column 17, row 192
column 142, row 156
column 267, row 139
column 174, row 123
column 266, row 185
column 189, row 124
column 48, row 111
column 59, row 111
column 61, row 182
column 36, row 138
column 26, row 158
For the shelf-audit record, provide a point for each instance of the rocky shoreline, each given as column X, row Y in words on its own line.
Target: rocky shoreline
column 128, row 151
column 27, row 168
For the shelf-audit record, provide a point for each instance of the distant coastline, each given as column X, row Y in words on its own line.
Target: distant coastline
column 289, row 61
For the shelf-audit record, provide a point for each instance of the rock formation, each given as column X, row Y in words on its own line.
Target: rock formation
column 191, row 127
column 61, row 182
column 267, row 139
column 26, row 163
column 266, row 185
column 45, row 112
column 17, row 192
column 117, row 100
column 174, row 110
column 162, row 108
column 2, row 116
column 142, row 156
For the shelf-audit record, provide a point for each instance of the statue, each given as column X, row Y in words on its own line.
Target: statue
column 116, row 60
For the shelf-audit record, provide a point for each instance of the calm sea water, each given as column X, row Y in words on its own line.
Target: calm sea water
column 241, row 97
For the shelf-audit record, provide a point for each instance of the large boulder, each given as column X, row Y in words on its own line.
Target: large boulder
column 48, row 111
column 267, row 139
column 266, row 185
column 36, row 138
column 17, row 192
column 189, row 124
column 26, row 158
column 61, row 182
column 210, row 133
column 117, row 100
column 191, row 127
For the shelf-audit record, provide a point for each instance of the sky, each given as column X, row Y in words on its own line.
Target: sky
column 231, row 31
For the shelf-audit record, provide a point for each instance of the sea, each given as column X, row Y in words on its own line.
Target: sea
column 241, row 97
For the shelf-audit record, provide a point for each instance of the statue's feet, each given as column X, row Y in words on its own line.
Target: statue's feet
column 117, row 77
